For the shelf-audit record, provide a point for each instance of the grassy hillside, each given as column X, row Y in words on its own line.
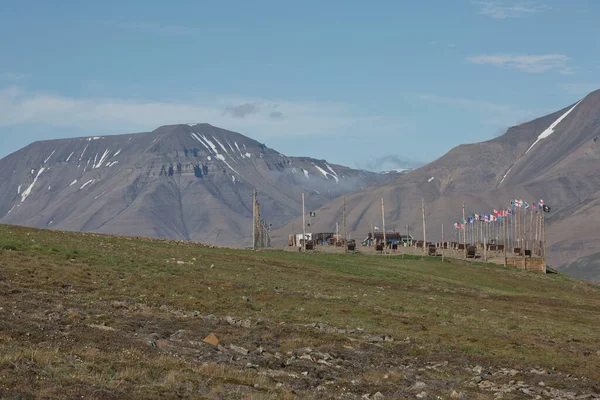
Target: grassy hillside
column 93, row 316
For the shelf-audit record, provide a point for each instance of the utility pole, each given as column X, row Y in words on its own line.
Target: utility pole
column 254, row 219
column 303, row 226
column 383, row 224
column 345, row 233
column 424, row 231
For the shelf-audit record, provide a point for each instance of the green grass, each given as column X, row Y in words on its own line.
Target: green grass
column 53, row 285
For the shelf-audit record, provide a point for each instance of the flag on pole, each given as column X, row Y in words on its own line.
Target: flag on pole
column 546, row 208
column 495, row 213
column 526, row 205
column 456, row 225
column 533, row 206
column 541, row 202
column 375, row 228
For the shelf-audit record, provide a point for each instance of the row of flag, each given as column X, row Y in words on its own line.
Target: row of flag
column 499, row 215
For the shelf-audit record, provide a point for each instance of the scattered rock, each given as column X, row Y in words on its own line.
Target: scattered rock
column 542, row 384
column 422, row 395
column 478, row 369
column 239, row 349
column 378, row 396
column 382, row 338
column 418, row 386
column 211, row 339
column 179, row 335
column 250, row 365
column 102, row 327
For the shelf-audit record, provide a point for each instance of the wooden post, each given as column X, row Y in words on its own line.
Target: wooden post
column 383, row 225
column 424, row 230
column 303, row 226
column 504, row 220
column 345, row 242
column 485, row 249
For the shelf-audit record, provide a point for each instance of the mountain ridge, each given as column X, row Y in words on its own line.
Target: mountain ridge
column 563, row 168
column 188, row 181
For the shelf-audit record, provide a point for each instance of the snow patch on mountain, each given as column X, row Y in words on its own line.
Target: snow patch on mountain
column 27, row 191
column 51, row 154
column 326, row 174
column 550, row 130
column 87, row 184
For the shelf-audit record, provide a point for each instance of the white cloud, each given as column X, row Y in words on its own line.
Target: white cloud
column 527, row 63
column 274, row 117
column 515, row 9
column 494, row 114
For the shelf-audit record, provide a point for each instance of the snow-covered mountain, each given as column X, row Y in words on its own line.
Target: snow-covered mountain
column 179, row 181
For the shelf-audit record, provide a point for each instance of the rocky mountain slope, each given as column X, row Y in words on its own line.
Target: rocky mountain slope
column 555, row 158
column 190, row 182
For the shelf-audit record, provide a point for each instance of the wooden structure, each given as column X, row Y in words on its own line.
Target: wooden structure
column 529, row 264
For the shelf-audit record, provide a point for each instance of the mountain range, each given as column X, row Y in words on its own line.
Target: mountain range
column 188, row 181
column 555, row 158
column 195, row 182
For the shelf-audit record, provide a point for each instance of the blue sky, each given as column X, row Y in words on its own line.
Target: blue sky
column 366, row 84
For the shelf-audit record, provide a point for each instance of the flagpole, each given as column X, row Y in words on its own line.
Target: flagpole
column 345, row 242
column 303, row 226
column 531, row 231
column 504, row 223
column 544, row 234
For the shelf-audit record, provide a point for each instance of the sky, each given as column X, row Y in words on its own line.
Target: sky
column 375, row 85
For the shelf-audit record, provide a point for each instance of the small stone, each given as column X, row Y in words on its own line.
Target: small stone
column 418, row 386
column 422, row 395
column 478, row 369
column 305, row 373
column 378, row 396
column 454, row 395
column 542, row 384
column 250, row 365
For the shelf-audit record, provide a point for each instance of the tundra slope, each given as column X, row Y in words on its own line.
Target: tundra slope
column 189, row 182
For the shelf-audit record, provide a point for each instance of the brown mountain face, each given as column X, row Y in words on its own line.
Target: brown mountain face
column 189, row 182
column 555, row 158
